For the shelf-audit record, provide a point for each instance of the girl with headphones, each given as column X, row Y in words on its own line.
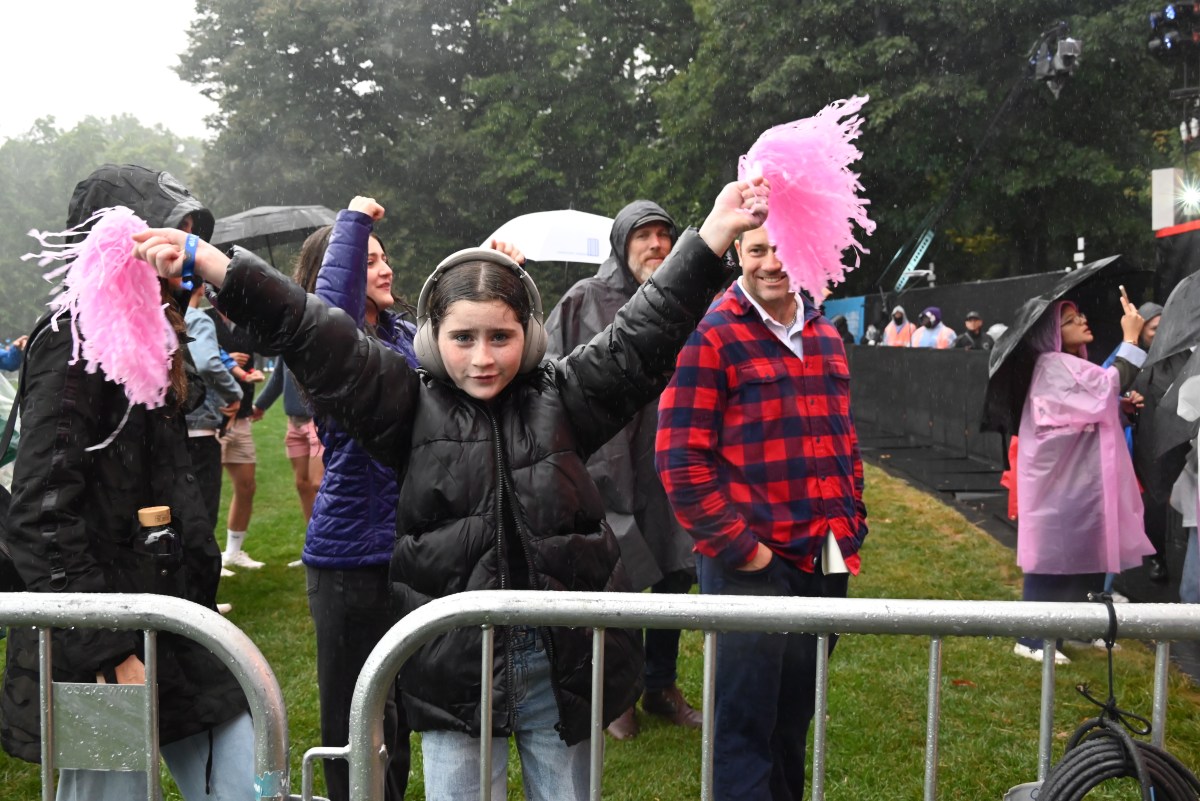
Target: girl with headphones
column 490, row 444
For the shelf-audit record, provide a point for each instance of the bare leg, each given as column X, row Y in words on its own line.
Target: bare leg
column 242, row 505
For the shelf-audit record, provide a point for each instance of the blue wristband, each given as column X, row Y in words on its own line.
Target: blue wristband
column 189, row 260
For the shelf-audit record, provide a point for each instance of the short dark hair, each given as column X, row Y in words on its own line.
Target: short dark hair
column 479, row 281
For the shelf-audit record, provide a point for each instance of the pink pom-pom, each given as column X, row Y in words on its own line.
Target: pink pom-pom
column 814, row 195
column 115, row 303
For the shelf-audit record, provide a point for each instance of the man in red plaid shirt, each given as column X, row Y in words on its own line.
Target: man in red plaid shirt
column 758, row 454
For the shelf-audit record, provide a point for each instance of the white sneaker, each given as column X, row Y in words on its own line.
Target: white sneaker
column 240, row 559
column 1036, row 654
column 226, row 572
column 1118, row 598
column 224, row 609
column 296, row 563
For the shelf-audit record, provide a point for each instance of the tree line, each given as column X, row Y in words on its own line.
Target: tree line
column 461, row 114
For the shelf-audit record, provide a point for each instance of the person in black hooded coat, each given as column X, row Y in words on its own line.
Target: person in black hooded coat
column 73, row 527
column 494, row 491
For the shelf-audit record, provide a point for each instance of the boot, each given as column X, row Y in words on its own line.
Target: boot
column 625, row 727
column 671, row 704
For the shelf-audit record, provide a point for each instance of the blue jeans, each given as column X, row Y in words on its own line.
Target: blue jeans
column 1189, row 576
column 551, row 771
column 232, row 769
column 766, row 686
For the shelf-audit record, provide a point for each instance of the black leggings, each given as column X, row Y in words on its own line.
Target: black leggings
column 1058, row 589
column 351, row 611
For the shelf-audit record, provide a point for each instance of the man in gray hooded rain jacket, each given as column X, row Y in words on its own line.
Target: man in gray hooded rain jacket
column 656, row 551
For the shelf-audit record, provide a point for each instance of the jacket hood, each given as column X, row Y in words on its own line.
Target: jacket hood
column 636, row 214
column 902, row 313
column 157, row 197
column 1046, row 336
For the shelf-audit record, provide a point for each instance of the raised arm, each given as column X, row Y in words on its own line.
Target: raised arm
column 628, row 364
column 342, row 280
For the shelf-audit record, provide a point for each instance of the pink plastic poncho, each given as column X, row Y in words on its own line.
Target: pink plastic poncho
column 1079, row 506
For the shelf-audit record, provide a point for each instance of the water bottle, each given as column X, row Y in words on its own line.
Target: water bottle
column 157, row 538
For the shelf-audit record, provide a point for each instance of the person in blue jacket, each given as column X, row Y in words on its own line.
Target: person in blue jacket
column 352, row 531
column 10, row 357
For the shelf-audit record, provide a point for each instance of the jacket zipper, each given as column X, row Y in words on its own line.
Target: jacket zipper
column 502, row 568
column 506, row 491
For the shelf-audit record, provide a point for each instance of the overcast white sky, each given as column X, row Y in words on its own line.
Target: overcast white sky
column 72, row 58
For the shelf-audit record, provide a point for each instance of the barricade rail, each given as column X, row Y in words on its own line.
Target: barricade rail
column 711, row 614
column 152, row 614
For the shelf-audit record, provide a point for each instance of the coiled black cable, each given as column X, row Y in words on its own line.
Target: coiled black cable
column 1102, row 749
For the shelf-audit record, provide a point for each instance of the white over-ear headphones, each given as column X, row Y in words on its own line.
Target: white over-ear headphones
column 425, row 341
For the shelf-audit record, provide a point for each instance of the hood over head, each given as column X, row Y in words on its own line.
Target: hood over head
column 903, row 314
column 157, row 197
column 1046, row 336
column 1150, row 310
column 635, row 215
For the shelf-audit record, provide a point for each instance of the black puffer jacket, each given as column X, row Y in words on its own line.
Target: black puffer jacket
column 73, row 518
column 454, row 454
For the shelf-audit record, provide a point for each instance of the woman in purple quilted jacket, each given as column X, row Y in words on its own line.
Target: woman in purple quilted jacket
column 353, row 528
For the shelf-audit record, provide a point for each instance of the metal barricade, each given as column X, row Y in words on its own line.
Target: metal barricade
column 64, row 737
column 711, row 614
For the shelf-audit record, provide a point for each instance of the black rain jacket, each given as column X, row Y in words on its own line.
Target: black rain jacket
column 73, row 520
column 653, row 543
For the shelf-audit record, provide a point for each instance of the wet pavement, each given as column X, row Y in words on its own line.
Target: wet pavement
column 973, row 487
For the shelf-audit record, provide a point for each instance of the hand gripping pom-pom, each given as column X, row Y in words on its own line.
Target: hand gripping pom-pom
column 114, row 302
column 814, row 195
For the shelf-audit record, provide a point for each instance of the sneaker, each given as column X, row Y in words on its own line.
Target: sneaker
column 240, row 559
column 296, row 563
column 226, row 572
column 224, row 609
column 1118, row 598
column 1036, row 654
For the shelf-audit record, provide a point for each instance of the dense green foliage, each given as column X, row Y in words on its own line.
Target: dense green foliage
column 38, row 172
column 460, row 114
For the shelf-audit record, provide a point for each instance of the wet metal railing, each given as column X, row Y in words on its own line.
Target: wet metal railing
column 82, row 724
column 715, row 613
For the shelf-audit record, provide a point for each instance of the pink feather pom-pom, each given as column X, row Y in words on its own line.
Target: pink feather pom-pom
column 814, row 195
column 115, row 305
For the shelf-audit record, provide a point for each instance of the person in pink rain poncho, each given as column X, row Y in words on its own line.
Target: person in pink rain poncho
column 1079, row 509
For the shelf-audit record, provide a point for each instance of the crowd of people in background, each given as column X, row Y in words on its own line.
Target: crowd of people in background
column 930, row 331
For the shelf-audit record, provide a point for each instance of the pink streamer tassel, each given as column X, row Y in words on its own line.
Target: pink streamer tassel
column 815, row 198
column 115, row 305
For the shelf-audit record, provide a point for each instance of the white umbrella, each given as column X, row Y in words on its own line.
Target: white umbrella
column 565, row 235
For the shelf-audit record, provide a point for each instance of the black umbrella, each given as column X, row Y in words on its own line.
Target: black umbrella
column 1095, row 289
column 1179, row 328
column 270, row 225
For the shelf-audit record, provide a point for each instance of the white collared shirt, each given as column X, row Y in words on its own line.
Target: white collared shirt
column 789, row 335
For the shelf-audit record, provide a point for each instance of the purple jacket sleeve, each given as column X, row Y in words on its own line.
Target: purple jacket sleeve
column 342, row 281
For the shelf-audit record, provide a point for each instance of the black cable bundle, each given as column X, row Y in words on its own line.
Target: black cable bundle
column 1101, row 749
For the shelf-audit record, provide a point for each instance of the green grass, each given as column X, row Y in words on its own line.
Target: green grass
column 918, row 548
